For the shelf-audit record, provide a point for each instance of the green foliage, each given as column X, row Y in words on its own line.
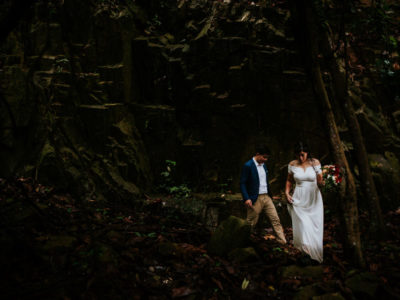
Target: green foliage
column 60, row 64
column 168, row 181
column 180, row 193
column 223, row 187
column 379, row 23
column 155, row 21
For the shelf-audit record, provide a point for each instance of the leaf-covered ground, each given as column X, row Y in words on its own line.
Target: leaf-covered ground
column 54, row 247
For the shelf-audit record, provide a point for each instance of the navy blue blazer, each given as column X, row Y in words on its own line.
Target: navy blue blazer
column 250, row 181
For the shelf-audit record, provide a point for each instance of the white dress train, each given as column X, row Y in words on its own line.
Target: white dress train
column 307, row 212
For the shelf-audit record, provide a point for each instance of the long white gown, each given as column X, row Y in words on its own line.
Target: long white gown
column 307, row 212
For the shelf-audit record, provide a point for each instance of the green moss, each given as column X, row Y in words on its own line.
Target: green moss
column 57, row 242
column 105, row 254
column 231, row 234
column 241, row 255
column 363, row 285
column 331, row 296
column 393, row 161
column 47, row 151
column 309, row 271
column 306, row 293
column 168, row 248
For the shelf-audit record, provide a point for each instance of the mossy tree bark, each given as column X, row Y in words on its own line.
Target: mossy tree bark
column 348, row 195
column 340, row 91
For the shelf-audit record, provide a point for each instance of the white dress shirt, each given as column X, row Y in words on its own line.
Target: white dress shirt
column 263, row 178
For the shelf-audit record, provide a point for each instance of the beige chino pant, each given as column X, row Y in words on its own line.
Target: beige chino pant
column 264, row 203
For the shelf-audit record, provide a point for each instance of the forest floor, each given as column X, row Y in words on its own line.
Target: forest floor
column 53, row 247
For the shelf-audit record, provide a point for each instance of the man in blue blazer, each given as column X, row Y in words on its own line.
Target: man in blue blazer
column 254, row 185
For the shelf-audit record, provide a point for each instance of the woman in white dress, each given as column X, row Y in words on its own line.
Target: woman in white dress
column 305, row 205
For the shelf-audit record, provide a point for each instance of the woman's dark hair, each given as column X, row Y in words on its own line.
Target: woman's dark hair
column 262, row 149
column 302, row 147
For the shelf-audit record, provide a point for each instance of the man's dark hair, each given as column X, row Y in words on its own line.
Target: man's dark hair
column 262, row 149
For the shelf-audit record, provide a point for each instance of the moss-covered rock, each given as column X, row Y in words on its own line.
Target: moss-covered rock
column 59, row 242
column 386, row 173
column 241, row 255
column 315, row 272
column 49, row 168
column 168, row 248
column 105, row 254
column 231, row 234
column 307, row 292
column 320, row 290
column 330, row 296
column 396, row 117
column 364, row 285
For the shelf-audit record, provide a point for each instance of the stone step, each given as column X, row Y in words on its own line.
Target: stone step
column 46, row 62
column 111, row 72
column 54, row 77
column 295, row 73
column 266, row 61
column 220, row 206
column 88, row 80
column 113, row 90
column 296, row 80
column 97, row 98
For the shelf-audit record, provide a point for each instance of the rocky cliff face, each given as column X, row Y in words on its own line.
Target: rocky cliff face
column 98, row 95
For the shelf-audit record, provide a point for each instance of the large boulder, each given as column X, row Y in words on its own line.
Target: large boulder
column 386, row 173
column 364, row 285
column 308, row 271
column 231, row 234
column 241, row 255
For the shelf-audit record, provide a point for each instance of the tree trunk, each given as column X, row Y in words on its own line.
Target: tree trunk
column 348, row 194
column 341, row 93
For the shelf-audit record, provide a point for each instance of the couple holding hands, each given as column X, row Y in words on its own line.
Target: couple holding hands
column 304, row 205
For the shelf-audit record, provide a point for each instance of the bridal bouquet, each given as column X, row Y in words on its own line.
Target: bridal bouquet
column 333, row 176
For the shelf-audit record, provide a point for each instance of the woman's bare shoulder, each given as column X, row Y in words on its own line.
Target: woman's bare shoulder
column 316, row 161
column 293, row 163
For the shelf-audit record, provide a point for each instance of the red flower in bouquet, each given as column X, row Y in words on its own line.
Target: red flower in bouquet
column 333, row 177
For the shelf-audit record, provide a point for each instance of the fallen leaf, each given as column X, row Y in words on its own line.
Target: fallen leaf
column 182, row 291
column 217, row 282
column 245, row 283
column 230, row 269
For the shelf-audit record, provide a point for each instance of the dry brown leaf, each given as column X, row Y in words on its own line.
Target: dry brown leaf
column 182, row 291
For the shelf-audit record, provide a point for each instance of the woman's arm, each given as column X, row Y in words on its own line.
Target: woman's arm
column 288, row 186
column 320, row 180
